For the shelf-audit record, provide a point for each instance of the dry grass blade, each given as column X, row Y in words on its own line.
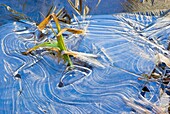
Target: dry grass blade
column 77, row 3
column 98, row 3
column 16, row 15
column 78, row 7
column 146, row 5
column 63, row 16
column 85, row 57
column 74, row 53
column 90, row 60
column 81, row 5
column 74, row 31
column 75, row 7
column 86, row 10
column 51, row 10
column 160, row 58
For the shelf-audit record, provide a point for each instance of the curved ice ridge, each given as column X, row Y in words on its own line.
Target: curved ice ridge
column 126, row 45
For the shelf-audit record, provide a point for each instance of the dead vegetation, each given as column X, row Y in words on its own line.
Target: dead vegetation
column 146, row 5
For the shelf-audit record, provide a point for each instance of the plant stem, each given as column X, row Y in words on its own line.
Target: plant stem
column 61, row 43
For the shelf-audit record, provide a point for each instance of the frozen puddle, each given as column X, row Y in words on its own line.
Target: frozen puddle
column 126, row 45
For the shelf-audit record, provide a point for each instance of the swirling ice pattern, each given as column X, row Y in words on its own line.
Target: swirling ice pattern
column 113, row 89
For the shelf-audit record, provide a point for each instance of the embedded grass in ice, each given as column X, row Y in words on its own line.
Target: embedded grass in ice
column 125, row 49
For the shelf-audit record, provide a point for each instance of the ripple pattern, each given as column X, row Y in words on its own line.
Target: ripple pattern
column 29, row 84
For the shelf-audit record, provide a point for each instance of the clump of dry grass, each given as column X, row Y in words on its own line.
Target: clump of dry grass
column 146, row 5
